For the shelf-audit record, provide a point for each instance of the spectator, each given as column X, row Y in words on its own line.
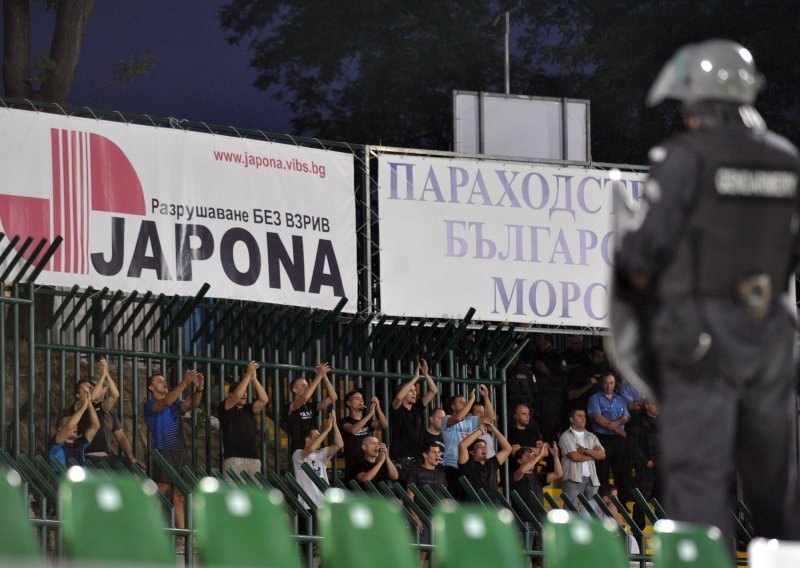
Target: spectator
column 643, row 444
column 527, row 481
column 67, row 444
column 574, row 356
column 580, row 450
column 111, row 438
column 407, row 419
column 551, row 380
column 300, row 415
column 582, row 382
column 357, row 426
column 609, row 413
column 317, row 456
column 375, row 465
column 457, row 426
column 633, row 399
column 426, row 474
column 606, row 492
column 524, row 432
column 479, row 409
column 162, row 413
column 238, row 422
column 433, row 433
column 480, row 471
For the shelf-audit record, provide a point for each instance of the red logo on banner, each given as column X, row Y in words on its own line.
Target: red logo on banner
column 90, row 173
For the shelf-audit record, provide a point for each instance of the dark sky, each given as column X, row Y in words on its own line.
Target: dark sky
column 197, row 76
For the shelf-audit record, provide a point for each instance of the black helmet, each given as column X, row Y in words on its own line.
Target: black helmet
column 715, row 70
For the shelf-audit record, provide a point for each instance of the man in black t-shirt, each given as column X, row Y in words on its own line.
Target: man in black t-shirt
column 301, row 415
column 526, row 480
column 104, row 394
column 433, row 433
column 375, row 465
column 473, row 464
column 407, row 420
column 357, row 426
column 426, row 474
column 524, row 431
column 237, row 419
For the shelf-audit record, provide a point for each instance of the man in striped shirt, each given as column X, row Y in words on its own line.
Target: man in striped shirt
column 162, row 413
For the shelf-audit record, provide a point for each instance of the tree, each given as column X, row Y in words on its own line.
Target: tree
column 610, row 51
column 384, row 71
column 52, row 81
column 370, row 72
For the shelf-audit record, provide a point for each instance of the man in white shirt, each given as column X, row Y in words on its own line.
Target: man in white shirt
column 317, row 457
column 580, row 449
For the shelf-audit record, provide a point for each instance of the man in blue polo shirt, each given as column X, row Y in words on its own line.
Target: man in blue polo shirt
column 609, row 413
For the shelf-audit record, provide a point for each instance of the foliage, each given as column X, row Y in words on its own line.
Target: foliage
column 126, row 70
column 610, row 51
column 384, row 71
column 370, row 72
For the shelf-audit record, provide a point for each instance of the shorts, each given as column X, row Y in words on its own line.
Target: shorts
column 176, row 458
column 238, row 465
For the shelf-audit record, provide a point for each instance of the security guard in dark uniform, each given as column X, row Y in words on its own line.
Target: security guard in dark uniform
column 712, row 251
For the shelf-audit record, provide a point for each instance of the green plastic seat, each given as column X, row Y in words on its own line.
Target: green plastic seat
column 687, row 545
column 472, row 535
column 573, row 541
column 242, row 527
column 113, row 519
column 364, row 532
column 17, row 541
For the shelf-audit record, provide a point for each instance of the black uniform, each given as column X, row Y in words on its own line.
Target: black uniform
column 643, row 448
column 718, row 211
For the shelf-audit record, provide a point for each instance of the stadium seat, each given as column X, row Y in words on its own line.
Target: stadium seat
column 686, row 545
column 763, row 553
column 364, row 532
column 242, row 527
column 574, row 541
column 17, row 541
column 472, row 535
column 113, row 519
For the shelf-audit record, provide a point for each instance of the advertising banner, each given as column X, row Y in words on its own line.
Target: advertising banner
column 522, row 243
column 154, row 209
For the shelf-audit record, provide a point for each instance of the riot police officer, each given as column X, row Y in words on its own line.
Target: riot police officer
column 713, row 248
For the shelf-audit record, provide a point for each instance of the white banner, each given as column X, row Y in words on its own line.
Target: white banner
column 518, row 242
column 145, row 208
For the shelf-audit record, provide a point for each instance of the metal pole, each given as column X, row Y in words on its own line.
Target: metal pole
column 366, row 281
column 507, row 53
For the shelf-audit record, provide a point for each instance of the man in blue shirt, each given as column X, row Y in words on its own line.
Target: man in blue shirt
column 162, row 413
column 456, row 426
column 609, row 413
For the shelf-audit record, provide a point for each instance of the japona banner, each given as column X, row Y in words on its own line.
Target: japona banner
column 161, row 210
